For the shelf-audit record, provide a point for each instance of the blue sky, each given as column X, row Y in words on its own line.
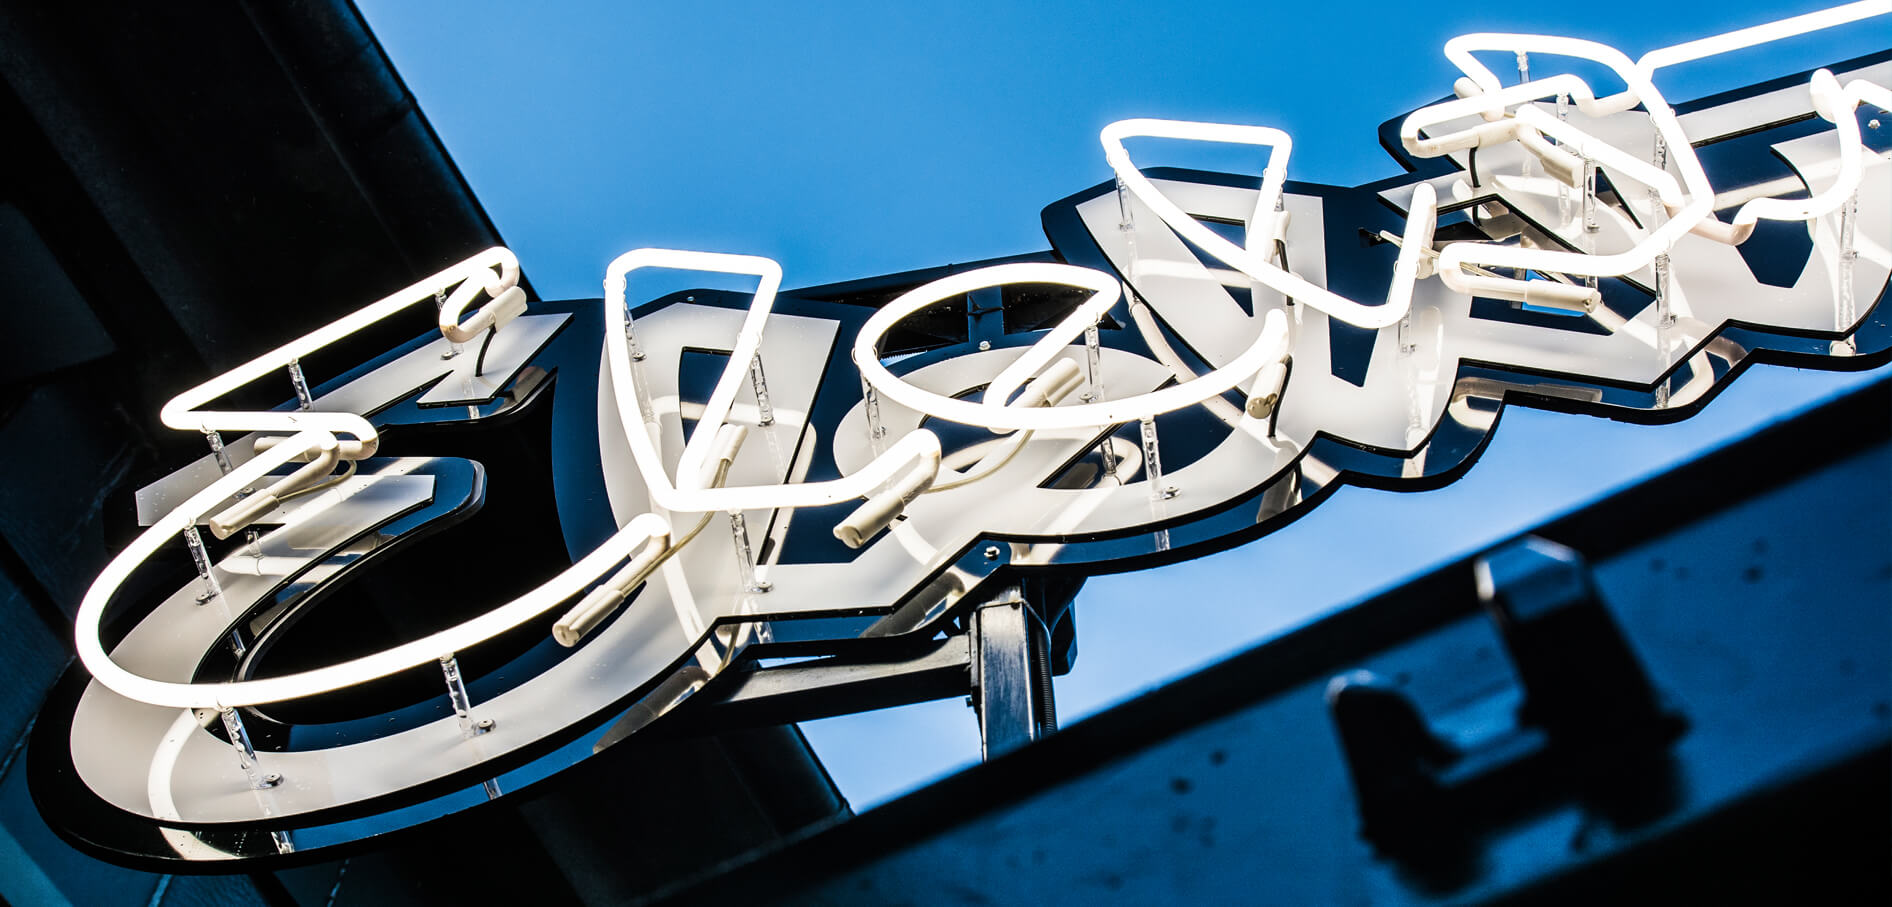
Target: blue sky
column 852, row 139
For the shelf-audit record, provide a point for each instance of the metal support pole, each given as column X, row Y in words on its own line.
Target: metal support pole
column 1011, row 675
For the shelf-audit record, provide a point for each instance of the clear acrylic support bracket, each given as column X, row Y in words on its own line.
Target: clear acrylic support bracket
column 876, row 432
column 305, row 401
column 462, row 702
column 453, row 347
column 246, row 751
column 746, row 578
column 1846, row 309
column 200, row 558
column 1160, row 489
column 759, row 382
column 1093, row 362
column 215, row 439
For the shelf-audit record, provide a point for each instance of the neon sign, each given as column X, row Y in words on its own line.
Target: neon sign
column 1209, row 370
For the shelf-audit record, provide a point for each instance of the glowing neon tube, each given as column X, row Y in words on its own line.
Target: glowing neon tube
column 233, row 694
column 1836, row 105
column 182, row 411
column 690, row 494
column 1256, row 260
column 1761, row 34
column 1269, row 346
column 1696, row 196
column 508, row 301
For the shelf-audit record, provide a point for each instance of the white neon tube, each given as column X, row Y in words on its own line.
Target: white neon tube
column 1104, row 293
column 1146, row 325
column 1493, row 101
column 1761, row 34
column 504, row 306
column 605, row 599
column 689, row 494
column 1534, row 122
column 1254, row 261
column 182, row 411
column 1488, row 97
column 1836, row 105
column 1269, row 346
column 566, row 584
column 878, row 511
column 1696, row 195
column 1831, row 101
column 322, row 458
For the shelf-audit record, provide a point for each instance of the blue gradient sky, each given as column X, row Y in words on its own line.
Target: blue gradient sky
column 853, row 139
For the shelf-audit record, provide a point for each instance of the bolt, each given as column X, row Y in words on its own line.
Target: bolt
column 992, row 552
column 485, row 724
column 985, row 345
column 272, row 779
column 1872, row 123
column 1169, row 492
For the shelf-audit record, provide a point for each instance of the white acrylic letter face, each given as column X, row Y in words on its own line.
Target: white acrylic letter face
column 1206, row 313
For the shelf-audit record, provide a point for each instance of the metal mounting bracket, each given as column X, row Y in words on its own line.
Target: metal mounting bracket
column 1011, row 674
column 1591, row 726
column 1001, row 663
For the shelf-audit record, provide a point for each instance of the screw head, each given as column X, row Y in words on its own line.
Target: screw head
column 272, row 779
column 992, row 552
column 985, row 344
column 484, row 724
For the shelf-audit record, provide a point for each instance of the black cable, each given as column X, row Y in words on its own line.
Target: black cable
column 479, row 365
column 1281, row 247
column 1472, row 162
